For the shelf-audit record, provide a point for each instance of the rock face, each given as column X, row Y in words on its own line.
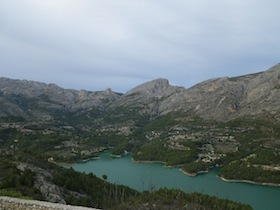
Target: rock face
column 51, row 192
column 152, row 98
column 228, row 98
column 217, row 99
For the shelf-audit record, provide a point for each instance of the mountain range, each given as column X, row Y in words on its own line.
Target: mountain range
column 221, row 99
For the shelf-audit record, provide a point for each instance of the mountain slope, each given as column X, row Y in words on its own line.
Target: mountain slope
column 249, row 95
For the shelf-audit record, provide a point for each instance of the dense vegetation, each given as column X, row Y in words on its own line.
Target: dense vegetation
column 176, row 199
column 15, row 183
column 243, row 171
column 76, row 188
column 157, row 151
column 98, row 193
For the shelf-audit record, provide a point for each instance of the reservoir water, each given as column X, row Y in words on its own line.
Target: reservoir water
column 143, row 176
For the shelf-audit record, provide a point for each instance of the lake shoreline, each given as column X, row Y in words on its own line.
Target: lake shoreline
column 171, row 166
column 248, row 181
column 141, row 177
column 207, row 171
column 51, row 160
column 193, row 174
column 160, row 162
column 147, row 161
column 116, row 156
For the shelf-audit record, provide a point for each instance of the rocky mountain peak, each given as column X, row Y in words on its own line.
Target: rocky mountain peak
column 275, row 68
column 152, row 88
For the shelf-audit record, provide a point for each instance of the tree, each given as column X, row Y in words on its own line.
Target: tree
column 104, row 176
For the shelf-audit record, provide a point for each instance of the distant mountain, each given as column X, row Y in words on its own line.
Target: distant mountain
column 218, row 99
column 30, row 99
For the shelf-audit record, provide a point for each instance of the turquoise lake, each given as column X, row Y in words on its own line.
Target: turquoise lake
column 141, row 176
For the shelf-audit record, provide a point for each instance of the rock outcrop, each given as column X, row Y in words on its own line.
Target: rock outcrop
column 50, row 191
column 21, row 204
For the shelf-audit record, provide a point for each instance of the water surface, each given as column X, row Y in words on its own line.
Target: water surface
column 144, row 176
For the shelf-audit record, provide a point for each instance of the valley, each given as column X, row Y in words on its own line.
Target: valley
column 230, row 123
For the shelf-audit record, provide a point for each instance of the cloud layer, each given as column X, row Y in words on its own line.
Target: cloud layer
column 96, row 44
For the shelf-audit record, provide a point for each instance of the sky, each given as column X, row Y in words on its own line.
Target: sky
column 119, row 44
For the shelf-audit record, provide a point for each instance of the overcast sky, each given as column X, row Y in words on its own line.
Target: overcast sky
column 97, row 44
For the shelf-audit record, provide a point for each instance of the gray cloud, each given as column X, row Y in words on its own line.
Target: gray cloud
column 93, row 44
